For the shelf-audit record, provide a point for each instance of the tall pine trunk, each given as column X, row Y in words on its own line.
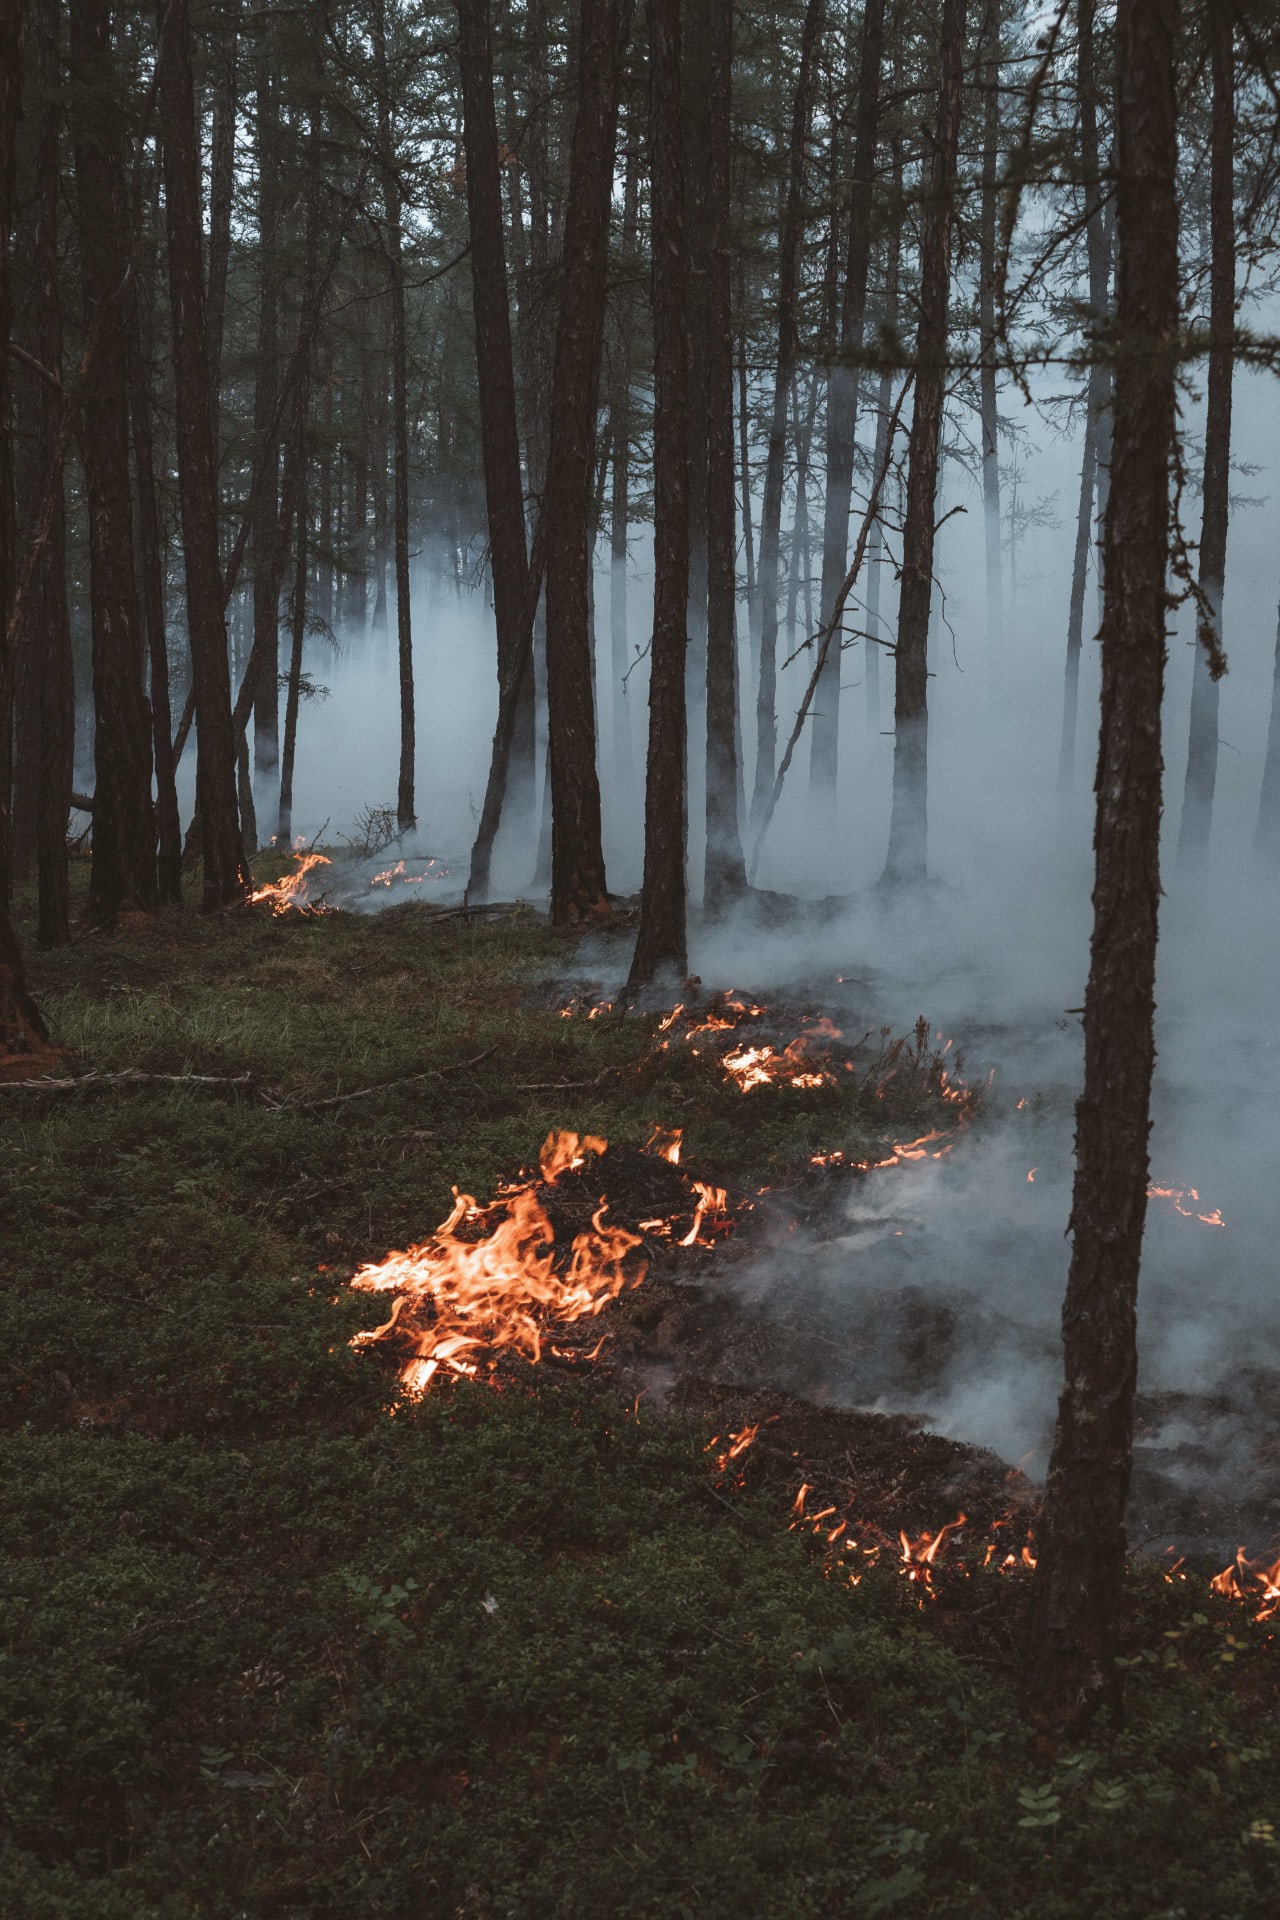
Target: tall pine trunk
column 842, row 413
column 499, row 428
column 908, row 825
column 225, row 872
column 1267, row 836
column 791, row 235
column 45, row 636
column 1077, row 1589
column 405, row 809
column 123, row 870
column 725, row 877
column 620, row 499
column 1093, row 452
column 661, row 940
column 1202, row 746
column 577, row 856
column 266, row 573
column 987, row 320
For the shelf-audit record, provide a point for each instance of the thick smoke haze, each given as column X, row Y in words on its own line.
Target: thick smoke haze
column 996, row 957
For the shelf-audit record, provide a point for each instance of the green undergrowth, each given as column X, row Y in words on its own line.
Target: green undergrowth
column 273, row 1645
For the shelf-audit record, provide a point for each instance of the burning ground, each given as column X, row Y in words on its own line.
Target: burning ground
column 566, row 1646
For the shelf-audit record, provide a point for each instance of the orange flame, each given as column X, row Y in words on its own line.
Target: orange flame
column 1178, row 1196
column 1251, row 1581
column 293, row 891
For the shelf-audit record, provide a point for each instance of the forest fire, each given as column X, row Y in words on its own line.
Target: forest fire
column 1178, row 1198
column 399, row 875
column 764, row 1066
column 292, row 893
column 493, row 1279
column 1255, row 1582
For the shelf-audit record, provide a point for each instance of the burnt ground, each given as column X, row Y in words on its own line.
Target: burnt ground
column 683, row 1339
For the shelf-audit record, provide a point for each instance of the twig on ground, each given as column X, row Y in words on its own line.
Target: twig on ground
column 228, row 1083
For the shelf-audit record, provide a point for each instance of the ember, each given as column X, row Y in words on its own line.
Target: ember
column 1178, row 1197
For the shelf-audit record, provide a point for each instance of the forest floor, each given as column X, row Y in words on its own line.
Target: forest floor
column 280, row 1643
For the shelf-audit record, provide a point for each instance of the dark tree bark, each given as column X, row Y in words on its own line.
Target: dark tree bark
column 725, row 874
column 141, row 303
column 1202, row 746
column 226, row 874
column 297, row 641
column 44, row 637
column 1099, row 264
column 13, row 1016
column 620, row 504
column 577, row 857
column 221, row 192
column 1076, row 1592
column 842, row 411
column 499, row 427
column 405, row 809
column 908, row 825
column 266, row 571
column 748, row 519
column 1267, row 838
column 789, row 244
column 123, row 870
column 661, row 940
column 987, row 319
column 876, row 626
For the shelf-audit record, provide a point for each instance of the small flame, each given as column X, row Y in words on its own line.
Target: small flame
column 293, row 891
column 1178, row 1196
column 1253, row 1581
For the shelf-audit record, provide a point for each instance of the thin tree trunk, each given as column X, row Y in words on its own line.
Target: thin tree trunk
column 908, row 826
column 842, row 412
column 1202, row 746
column 151, row 558
column 266, row 573
column 226, row 874
column 620, row 510
column 748, row 522
column 123, row 870
column 987, row 320
column 1095, row 452
column 298, row 634
column 1077, row 1588
column 577, row 857
column 46, row 630
column 661, row 940
column 499, row 428
column 725, row 875
column 790, row 239
column 221, row 192
column 405, row 810
column 13, row 22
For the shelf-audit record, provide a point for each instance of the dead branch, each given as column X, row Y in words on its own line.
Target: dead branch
column 228, row 1083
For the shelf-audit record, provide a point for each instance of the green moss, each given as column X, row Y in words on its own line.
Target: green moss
column 270, row 1650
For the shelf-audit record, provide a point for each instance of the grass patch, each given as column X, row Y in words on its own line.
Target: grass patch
column 272, row 1650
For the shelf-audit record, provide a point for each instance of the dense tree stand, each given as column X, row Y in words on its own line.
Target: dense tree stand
column 1076, row 1592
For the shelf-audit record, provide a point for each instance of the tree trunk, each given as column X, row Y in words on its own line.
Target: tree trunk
column 405, row 810
column 842, row 413
column 141, row 304
column 725, row 876
column 499, row 427
column 619, row 506
column 13, row 1020
column 123, row 870
column 661, row 940
column 45, row 634
column 987, row 320
column 298, row 635
column 1202, row 747
column 908, row 828
column 789, row 244
column 748, row 522
column 266, row 572
column 1094, row 453
column 1076, row 1592
column 222, row 157
column 226, row 875
column 577, row 857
